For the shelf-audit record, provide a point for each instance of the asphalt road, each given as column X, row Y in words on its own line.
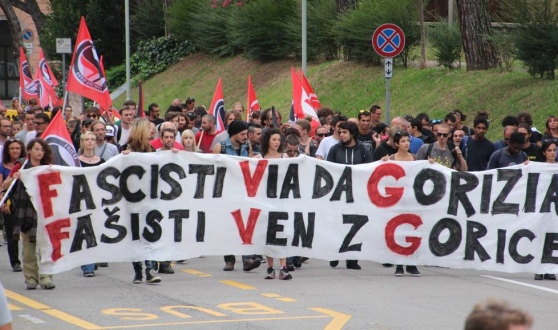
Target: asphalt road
column 201, row 296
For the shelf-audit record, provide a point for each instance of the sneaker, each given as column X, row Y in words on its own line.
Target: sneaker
column 166, row 269
column 413, row 270
column 89, row 274
column 387, row 265
column 304, row 259
column 539, row 277
column 290, row 267
column 138, row 278
column 103, row 264
column 17, row 268
column 353, row 264
column 297, row 262
column 150, row 277
column 399, row 271
column 48, row 285
column 270, row 274
column 334, row 263
column 31, row 285
column 229, row 266
column 180, row 261
column 551, row 277
column 252, row 264
column 284, row 274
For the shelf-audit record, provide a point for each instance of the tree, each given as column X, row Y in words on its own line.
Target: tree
column 344, row 5
column 474, row 21
column 15, row 28
column 420, row 6
column 32, row 8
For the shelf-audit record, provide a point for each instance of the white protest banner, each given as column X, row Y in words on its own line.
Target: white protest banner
column 172, row 206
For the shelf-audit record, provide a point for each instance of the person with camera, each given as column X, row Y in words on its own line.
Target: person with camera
column 442, row 152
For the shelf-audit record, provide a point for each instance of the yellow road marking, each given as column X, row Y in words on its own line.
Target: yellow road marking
column 196, row 272
column 238, row 285
column 53, row 312
column 13, row 307
column 286, row 299
column 339, row 319
column 220, row 321
column 278, row 297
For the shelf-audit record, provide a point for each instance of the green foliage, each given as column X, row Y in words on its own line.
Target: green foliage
column 321, row 17
column 148, row 20
column 62, row 22
column 155, row 55
column 355, row 29
column 536, row 37
column 206, row 26
column 259, row 28
column 116, row 76
column 446, row 41
column 503, row 41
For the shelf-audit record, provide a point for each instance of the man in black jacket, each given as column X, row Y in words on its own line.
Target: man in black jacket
column 348, row 151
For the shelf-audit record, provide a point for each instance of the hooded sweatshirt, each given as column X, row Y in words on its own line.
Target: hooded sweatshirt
column 357, row 154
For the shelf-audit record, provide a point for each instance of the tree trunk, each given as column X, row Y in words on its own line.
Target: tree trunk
column 420, row 5
column 15, row 28
column 475, row 24
column 32, row 8
column 344, row 5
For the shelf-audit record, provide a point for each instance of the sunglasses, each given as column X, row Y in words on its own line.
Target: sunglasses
column 442, row 134
column 435, row 121
column 322, row 134
column 39, row 122
column 365, row 112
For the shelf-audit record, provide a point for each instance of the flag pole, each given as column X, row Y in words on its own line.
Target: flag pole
column 19, row 99
column 7, row 193
column 65, row 102
column 201, row 138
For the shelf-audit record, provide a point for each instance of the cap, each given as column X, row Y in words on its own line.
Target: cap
column 110, row 131
column 236, row 127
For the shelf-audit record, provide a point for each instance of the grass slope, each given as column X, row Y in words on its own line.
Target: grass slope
column 349, row 87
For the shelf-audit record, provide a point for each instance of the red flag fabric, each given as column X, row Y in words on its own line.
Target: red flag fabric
column 42, row 89
column 86, row 76
column 252, row 103
column 301, row 103
column 310, row 92
column 26, row 81
column 58, row 138
column 47, row 82
column 217, row 107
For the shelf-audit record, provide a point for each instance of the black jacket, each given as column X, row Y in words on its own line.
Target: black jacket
column 357, row 154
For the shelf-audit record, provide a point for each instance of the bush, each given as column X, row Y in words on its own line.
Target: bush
column 446, row 41
column 536, row 38
column 321, row 19
column 259, row 28
column 116, row 76
column 503, row 41
column 355, row 29
column 155, row 55
column 205, row 24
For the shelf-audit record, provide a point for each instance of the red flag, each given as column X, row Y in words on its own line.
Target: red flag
column 301, row 103
column 310, row 92
column 26, row 81
column 47, row 82
column 58, row 138
column 252, row 103
column 140, row 103
column 86, row 76
column 42, row 89
column 217, row 107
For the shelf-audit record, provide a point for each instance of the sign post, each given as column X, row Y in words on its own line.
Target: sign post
column 63, row 46
column 388, row 41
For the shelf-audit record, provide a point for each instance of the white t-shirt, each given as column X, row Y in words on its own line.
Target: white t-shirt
column 106, row 153
column 5, row 316
column 325, row 145
column 29, row 136
column 124, row 135
column 220, row 137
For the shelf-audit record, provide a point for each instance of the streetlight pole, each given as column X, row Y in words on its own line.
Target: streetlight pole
column 304, row 40
column 127, row 23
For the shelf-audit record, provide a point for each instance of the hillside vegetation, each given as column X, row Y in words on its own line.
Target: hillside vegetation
column 349, row 87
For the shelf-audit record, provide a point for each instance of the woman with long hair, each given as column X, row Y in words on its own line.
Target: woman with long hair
column 188, row 140
column 548, row 155
column 402, row 142
column 138, row 141
column 271, row 146
column 13, row 150
column 551, row 132
column 25, row 215
column 88, row 158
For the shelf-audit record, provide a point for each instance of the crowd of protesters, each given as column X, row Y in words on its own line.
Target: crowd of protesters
column 186, row 128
